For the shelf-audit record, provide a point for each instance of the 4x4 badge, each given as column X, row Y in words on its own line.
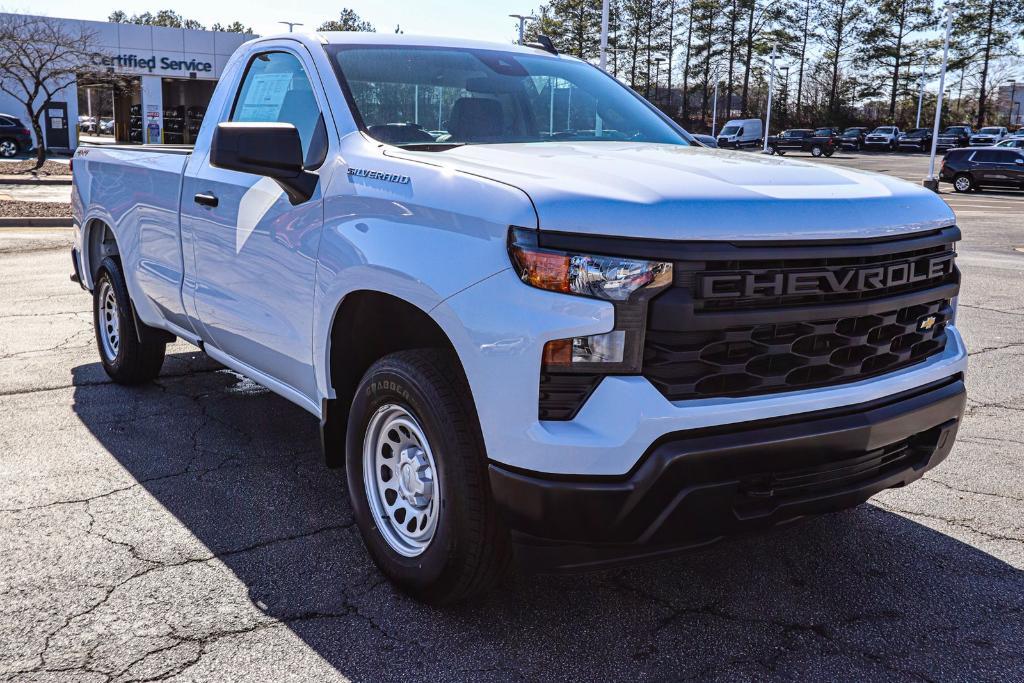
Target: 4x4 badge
column 927, row 323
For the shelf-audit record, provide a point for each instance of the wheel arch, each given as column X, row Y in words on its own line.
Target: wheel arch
column 366, row 326
column 98, row 242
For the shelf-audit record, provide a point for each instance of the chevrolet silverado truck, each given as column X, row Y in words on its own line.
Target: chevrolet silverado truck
column 954, row 136
column 883, row 136
column 534, row 320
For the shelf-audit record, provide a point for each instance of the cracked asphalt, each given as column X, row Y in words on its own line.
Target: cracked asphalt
column 187, row 530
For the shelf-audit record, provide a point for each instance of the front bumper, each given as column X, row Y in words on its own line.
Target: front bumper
column 694, row 487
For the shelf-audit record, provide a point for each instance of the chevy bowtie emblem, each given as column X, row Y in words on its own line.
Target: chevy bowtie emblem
column 926, row 324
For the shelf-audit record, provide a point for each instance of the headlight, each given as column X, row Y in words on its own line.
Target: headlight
column 601, row 277
column 627, row 283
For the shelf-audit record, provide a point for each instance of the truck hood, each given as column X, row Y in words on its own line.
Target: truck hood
column 677, row 192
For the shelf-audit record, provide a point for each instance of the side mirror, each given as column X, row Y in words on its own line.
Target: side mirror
column 273, row 150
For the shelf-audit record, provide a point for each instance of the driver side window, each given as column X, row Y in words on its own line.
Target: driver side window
column 276, row 89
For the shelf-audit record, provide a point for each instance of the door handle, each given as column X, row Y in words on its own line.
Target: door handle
column 206, row 199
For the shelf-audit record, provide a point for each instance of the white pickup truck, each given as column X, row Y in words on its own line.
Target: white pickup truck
column 533, row 316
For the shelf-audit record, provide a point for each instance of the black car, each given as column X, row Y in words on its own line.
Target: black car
column 14, row 136
column 916, row 138
column 853, row 137
column 818, row 142
column 974, row 168
column 955, row 136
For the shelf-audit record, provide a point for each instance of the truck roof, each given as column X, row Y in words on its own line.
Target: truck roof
column 363, row 38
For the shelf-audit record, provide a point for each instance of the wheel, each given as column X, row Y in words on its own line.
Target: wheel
column 892, row 146
column 830, row 152
column 8, row 148
column 816, row 151
column 126, row 359
column 776, row 150
column 963, row 183
column 417, row 477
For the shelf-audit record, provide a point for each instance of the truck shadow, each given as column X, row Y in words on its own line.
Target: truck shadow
column 851, row 596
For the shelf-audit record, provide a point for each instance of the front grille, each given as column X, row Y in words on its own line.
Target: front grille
column 763, row 270
column 785, row 356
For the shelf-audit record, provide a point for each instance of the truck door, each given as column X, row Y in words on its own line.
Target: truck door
column 255, row 252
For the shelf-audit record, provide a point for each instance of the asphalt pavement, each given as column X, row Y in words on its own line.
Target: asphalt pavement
column 188, row 530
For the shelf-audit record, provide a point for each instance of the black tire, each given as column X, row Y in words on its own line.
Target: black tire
column 816, row 151
column 830, row 152
column 132, row 361
column 470, row 550
column 963, row 182
column 892, row 146
column 8, row 148
column 776, row 150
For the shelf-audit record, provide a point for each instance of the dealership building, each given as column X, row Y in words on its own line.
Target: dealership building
column 142, row 84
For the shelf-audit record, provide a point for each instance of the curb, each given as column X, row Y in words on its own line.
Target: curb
column 37, row 222
column 34, row 180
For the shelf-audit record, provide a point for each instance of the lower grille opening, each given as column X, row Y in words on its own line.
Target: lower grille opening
column 562, row 396
column 759, row 494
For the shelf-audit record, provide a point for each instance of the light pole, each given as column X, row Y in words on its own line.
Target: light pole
column 714, row 108
column 784, row 117
column 931, row 182
column 657, row 77
column 768, row 116
column 1013, row 93
column 291, row 25
column 604, row 34
column 920, row 94
column 523, row 18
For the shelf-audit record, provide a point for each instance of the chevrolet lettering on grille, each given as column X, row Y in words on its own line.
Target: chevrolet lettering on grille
column 852, row 280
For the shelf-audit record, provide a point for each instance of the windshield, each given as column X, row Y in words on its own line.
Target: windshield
column 883, row 129
column 917, row 131
column 852, row 131
column 439, row 97
column 795, row 133
column 730, row 130
column 989, row 131
column 823, row 131
column 954, row 130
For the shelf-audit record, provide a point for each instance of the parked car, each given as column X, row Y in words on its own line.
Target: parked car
column 741, row 133
column 954, row 136
column 14, row 136
column 1015, row 142
column 86, row 124
column 853, row 137
column 804, row 140
column 989, row 135
column 972, row 169
column 107, row 126
column 886, row 137
column 917, row 138
column 516, row 343
column 706, row 140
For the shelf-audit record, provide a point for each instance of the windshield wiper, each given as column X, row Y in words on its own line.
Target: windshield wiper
column 430, row 146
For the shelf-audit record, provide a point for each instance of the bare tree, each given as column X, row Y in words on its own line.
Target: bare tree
column 40, row 57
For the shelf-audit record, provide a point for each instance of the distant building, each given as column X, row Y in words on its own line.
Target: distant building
column 1010, row 105
column 166, row 78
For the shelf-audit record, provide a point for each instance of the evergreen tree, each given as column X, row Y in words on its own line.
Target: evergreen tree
column 985, row 31
column 886, row 40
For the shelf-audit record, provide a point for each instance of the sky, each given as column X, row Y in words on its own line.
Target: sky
column 478, row 19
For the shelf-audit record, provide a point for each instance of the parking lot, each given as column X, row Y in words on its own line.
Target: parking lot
column 188, row 530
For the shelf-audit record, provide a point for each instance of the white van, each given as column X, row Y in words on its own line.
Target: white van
column 741, row 133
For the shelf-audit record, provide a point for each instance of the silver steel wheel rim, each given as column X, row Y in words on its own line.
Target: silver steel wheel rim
column 816, row 151
column 110, row 324
column 400, row 478
column 8, row 148
column 963, row 184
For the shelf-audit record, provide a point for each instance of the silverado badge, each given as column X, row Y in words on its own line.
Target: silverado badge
column 926, row 323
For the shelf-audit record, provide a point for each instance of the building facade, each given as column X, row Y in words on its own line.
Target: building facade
column 1011, row 105
column 142, row 84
